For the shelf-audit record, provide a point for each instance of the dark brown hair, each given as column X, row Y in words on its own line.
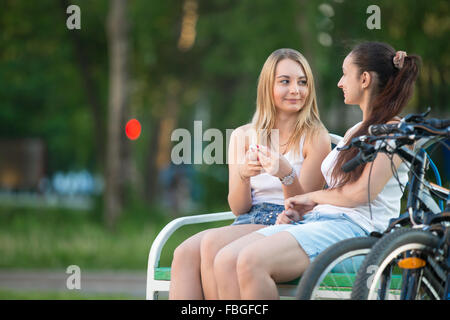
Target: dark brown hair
column 394, row 89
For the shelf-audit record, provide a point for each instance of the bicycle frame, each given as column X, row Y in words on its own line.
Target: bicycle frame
column 421, row 210
column 420, row 204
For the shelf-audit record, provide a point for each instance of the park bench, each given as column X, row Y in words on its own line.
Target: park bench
column 158, row 278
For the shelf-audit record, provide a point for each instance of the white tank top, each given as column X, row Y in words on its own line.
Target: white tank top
column 267, row 188
column 384, row 207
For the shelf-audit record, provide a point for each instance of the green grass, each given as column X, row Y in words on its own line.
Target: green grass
column 52, row 239
column 63, row 295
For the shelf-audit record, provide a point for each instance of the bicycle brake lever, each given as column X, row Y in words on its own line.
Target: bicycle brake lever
column 343, row 148
column 425, row 113
column 356, row 142
column 416, row 117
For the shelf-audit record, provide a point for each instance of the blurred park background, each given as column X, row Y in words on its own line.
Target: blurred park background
column 74, row 190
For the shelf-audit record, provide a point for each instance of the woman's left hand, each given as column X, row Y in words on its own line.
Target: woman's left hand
column 273, row 163
column 301, row 203
column 288, row 216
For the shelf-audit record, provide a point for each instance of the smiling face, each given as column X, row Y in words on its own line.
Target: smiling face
column 290, row 88
column 350, row 82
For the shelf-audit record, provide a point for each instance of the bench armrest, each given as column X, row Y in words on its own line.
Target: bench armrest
column 171, row 227
column 335, row 139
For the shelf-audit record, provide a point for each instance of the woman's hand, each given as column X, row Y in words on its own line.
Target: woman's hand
column 302, row 204
column 273, row 163
column 288, row 216
column 251, row 166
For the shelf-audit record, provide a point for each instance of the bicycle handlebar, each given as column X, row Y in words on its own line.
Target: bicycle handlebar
column 353, row 163
column 410, row 130
column 437, row 123
column 379, row 129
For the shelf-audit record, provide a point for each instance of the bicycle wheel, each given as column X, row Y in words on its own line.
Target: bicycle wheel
column 332, row 273
column 382, row 277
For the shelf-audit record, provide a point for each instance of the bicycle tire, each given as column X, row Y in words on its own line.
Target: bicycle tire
column 383, row 255
column 312, row 279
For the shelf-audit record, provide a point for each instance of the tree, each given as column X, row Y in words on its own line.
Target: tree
column 90, row 88
column 117, row 33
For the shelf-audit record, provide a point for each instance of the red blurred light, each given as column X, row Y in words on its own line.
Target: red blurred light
column 133, row 129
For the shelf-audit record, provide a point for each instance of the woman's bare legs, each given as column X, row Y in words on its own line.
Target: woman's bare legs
column 225, row 266
column 211, row 243
column 263, row 263
column 185, row 282
column 249, row 267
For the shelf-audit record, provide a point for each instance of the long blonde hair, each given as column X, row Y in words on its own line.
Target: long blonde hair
column 308, row 119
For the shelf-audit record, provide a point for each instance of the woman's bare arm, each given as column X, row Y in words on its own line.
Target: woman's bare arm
column 310, row 177
column 239, row 191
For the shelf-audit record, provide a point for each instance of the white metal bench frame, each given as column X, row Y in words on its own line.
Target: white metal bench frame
column 154, row 286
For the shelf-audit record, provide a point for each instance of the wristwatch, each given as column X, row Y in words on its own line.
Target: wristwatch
column 289, row 179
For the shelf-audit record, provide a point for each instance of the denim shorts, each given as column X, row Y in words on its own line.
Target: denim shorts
column 317, row 231
column 261, row 213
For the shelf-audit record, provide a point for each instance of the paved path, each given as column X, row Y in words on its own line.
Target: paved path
column 106, row 282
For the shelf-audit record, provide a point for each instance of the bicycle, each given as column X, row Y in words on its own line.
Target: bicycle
column 334, row 271
column 417, row 259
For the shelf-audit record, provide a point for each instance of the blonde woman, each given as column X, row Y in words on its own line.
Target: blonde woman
column 275, row 157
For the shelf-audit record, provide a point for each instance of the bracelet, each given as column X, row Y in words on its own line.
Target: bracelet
column 289, row 179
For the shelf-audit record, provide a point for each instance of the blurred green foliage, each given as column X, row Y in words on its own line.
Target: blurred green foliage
column 43, row 89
